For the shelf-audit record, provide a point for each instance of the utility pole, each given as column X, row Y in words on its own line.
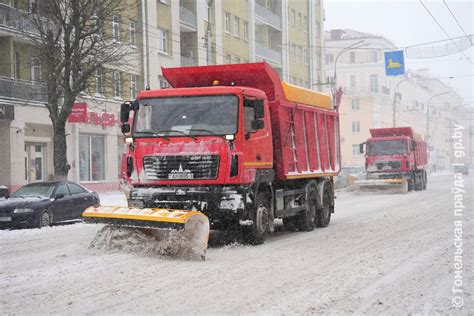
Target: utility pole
column 208, row 39
column 427, row 131
column 394, row 104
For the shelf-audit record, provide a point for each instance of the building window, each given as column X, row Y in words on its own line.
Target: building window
column 352, row 56
column 133, row 86
column 35, row 69
column 355, row 104
column 116, row 83
column 115, row 28
column 300, row 21
column 374, row 83
column 246, row 30
column 329, row 59
column 162, row 41
column 293, row 18
column 206, row 11
column 355, row 127
column 227, row 59
column 99, row 81
column 227, row 22
column 355, row 150
column 306, row 26
column 91, row 158
column 352, row 81
column 305, row 56
column 132, row 33
column 374, row 56
column 236, row 60
column 163, row 83
column 236, row 26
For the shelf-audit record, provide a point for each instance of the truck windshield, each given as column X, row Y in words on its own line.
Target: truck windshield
column 196, row 115
column 387, row 147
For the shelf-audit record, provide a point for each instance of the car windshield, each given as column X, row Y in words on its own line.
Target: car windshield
column 36, row 190
column 387, row 147
column 178, row 116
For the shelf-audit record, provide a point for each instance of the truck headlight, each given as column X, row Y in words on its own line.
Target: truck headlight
column 23, row 210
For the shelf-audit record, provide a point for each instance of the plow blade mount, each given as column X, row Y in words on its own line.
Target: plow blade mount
column 394, row 185
column 192, row 226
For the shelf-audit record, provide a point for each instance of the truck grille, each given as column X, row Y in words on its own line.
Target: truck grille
column 388, row 165
column 181, row 167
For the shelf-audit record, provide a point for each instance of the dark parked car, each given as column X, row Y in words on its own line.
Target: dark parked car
column 44, row 203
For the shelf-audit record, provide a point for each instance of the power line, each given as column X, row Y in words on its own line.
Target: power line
column 446, row 33
column 462, row 29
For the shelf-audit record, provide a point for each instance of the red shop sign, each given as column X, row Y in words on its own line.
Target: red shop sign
column 78, row 113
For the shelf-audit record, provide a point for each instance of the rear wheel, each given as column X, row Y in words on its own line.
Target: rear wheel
column 257, row 232
column 307, row 218
column 323, row 215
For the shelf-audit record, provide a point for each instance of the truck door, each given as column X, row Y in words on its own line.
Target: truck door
column 258, row 147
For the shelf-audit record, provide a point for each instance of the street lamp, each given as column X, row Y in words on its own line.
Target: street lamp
column 394, row 109
column 427, row 136
column 346, row 49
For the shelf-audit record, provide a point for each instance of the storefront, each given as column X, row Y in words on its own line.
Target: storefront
column 94, row 144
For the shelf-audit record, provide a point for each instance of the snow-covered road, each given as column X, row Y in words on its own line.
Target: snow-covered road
column 380, row 254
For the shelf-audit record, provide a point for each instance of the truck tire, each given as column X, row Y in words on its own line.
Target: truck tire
column 290, row 223
column 425, row 180
column 307, row 218
column 323, row 215
column 418, row 184
column 256, row 233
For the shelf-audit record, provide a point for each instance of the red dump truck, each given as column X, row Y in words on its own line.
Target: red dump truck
column 232, row 142
column 395, row 158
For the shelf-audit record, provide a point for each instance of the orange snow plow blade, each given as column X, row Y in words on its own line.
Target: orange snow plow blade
column 193, row 225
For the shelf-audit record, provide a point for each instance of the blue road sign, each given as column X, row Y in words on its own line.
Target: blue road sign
column 394, row 63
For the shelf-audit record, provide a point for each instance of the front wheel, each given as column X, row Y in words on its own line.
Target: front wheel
column 308, row 216
column 257, row 232
column 44, row 219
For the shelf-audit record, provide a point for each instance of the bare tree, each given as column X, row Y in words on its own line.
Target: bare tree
column 73, row 39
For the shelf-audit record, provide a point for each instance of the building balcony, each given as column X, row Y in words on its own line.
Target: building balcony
column 14, row 20
column 188, row 19
column 188, row 62
column 22, row 90
column 268, row 16
column 268, row 54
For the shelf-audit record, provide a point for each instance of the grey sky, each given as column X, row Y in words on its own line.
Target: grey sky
column 407, row 23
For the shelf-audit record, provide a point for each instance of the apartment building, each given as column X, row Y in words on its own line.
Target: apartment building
column 286, row 34
column 355, row 61
column 26, row 134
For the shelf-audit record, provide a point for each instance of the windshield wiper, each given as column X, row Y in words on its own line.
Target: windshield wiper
column 178, row 131
column 156, row 133
column 202, row 130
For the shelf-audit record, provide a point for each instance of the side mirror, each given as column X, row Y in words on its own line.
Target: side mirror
column 257, row 124
column 125, row 128
column 257, row 106
column 361, row 148
column 125, row 112
column 59, row 196
column 259, row 109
